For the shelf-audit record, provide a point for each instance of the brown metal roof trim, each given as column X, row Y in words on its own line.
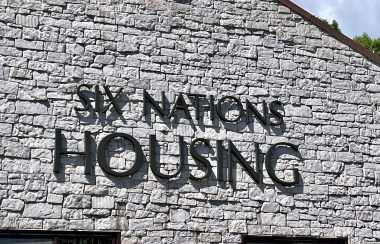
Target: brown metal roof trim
column 332, row 32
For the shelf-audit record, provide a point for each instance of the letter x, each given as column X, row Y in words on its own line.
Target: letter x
column 112, row 99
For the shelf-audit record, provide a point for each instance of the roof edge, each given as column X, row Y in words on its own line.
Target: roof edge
column 331, row 31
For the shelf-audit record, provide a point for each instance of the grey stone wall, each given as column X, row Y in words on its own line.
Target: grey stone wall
column 256, row 50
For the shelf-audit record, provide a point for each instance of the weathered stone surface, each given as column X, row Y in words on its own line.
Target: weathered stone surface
column 373, row 88
column 30, row 224
column 210, row 237
column 5, row 129
column 58, row 57
column 53, row 198
column 151, row 240
column 179, row 216
column 103, row 202
column 127, row 47
column 30, row 45
column 105, row 59
column 269, row 63
column 141, row 224
column 32, row 95
column 20, row 73
column 42, row 210
column 270, row 207
column 77, row 201
column 238, row 226
column 27, row 20
column 256, row 50
column 13, row 205
column 274, row 219
column 24, row 107
column 257, row 25
column 110, row 223
column 158, row 196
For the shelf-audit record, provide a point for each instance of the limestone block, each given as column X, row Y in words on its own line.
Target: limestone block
column 7, row 17
column 373, row 88
column 269, row 63
column 54, row 198
column 298, row 111
column 151, row 240
column 20, row 73
column 94, row 48
column 34, row 94
column 288, row 65
column 27, row 20
column 158, row 196
column 237, row 226
column 254, row 40
column 29, row 45
column 130, row 72
column 111, row 223
column 13, row 205
column 179, row 216
column 25, row 107
column 103, row 202
column 42, row 210
column 210, row 237
column 127, row 47
column 62, row 58
column 257, row 25
column 269, row 207
column 104, row 59
column 275, row 219
column 77, row 201
column 30, row 224
column 141, row 224
column 5, row 129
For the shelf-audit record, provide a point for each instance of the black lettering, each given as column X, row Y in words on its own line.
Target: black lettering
column 219, row 159
column 58, row 152
column 112, row 99
column 147, row 98
column 278, row 116
column 180, row 104
column 153, row 164
column 252, row 110
column 212, row 107
column 198, row 157
column 232, row 151
column 220, row 112
column 197, row 104
column 84, row 99
column 97, row 98
column 101, row 155
column 270, row 168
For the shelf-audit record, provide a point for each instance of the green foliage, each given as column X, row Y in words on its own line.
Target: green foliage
column 366, row 41
column 376, row 46
column 334, row 24
column 325, row 21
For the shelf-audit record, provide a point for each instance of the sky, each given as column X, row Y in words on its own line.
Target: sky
column 354, row 16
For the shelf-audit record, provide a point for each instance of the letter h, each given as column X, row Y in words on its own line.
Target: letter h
column 58, row 152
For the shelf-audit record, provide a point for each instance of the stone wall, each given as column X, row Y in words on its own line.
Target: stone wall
column 256, row 50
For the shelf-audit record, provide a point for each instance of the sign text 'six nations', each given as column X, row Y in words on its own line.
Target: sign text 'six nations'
column 271, row 115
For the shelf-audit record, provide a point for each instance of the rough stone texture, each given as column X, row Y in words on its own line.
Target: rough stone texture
column 249, row 49
column 42, row 210
column 15, row 205
column 28, row 21
column 103, row 202
column 76, row 201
